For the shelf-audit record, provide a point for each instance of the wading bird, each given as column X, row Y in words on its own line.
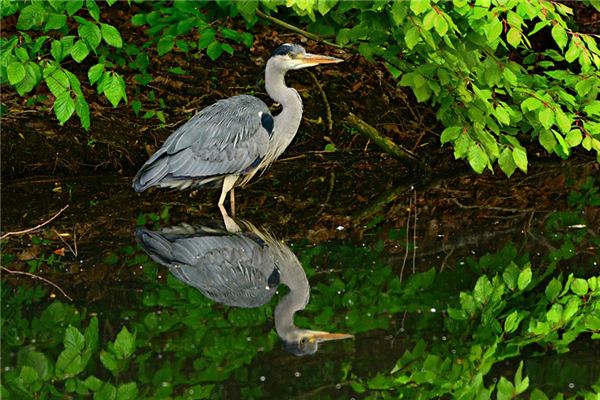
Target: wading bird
column 241, row 269
column 229, row 141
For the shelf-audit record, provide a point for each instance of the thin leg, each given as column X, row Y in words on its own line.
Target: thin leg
column 230, row 225
column 232, row 201
column 228, row 183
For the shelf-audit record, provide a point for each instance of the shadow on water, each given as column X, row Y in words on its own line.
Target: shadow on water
column 463, row 278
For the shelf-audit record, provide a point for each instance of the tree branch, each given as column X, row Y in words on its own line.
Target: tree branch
column 7, row 234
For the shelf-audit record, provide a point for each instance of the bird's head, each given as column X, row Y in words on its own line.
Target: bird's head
column 302, row 342
column 293, row 56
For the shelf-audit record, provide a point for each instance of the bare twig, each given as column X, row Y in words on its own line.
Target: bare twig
column 10, row 271
column 414, row 234
column 73, row 249
column 325, row 101
column 515, row 210
column 407, row 230
column 329, row 192
column 293, row 28
column 35, row 228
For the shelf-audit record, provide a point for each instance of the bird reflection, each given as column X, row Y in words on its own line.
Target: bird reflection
column 240, row 268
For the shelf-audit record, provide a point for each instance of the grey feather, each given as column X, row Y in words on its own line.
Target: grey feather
column 224, row 138
column 233, row 269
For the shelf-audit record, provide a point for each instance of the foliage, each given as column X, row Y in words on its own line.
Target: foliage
column 52, row 34
column 501, row 73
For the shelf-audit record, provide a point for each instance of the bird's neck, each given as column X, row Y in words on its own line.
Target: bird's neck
column 292, row 276
column 288, row 120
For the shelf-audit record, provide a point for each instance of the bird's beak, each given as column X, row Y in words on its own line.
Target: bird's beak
column 315, row 59
column 318, row 336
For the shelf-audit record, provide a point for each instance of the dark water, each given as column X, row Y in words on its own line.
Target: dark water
column 387, row 279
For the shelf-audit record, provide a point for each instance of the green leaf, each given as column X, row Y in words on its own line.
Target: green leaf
column 450, row 134
column 127, row 391
column 520, row 158
column 31, row 16
column 73, row 6
column 93, row 9
column 113, row 90
column 32, row 78
column 57, row 81
column 563, row 121
column 138, row 20
column 574, row 137
column 73, row 338
column 90, row 33
column 206, row 38
column 55, row 21
column 547, row 140
column 95, row 73
column 560, row 35
column 524, row 278
column 64, row 106
column 79, row 51
column 38, row 361
column 482, row 290
column 83, row 112
column 579, row 286
column 28, row 375
column 477, row 157
column 553, row 289
column 502, row 115
column 511, row 323
column 412, row 37
column 506, row 162
column 546, row 117
column 214, row 50
column 440, row 24
column 505, row 389
column 165, row 44
column 111, row 35
column 108, row 361
column 16, row 72
column 513, row 37
column 419, row 6
column 530, row 104
column 92, row 383
column 124, row 343
column 111, row 2
column 136, row 105
column 572, row 52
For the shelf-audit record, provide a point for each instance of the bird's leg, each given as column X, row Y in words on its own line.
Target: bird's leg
column 232, row 201
column 228, row 183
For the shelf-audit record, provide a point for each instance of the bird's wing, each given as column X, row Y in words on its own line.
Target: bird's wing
column 233, row 270
column 229, row 137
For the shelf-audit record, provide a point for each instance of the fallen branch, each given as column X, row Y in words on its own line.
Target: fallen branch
column 405, row 156
column 35, row 228
column 10, row 271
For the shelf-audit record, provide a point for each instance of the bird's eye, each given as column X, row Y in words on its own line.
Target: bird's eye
column 303, row 340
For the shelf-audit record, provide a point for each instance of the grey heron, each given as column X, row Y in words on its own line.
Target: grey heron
column 230, row 140
column 239, row 268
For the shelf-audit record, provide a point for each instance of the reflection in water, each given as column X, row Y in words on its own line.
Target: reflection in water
column 240, row 268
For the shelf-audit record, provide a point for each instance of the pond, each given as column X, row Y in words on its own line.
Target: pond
column 458, row 286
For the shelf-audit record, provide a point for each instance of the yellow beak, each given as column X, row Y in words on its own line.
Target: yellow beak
column 314, row 59
column 317, row 336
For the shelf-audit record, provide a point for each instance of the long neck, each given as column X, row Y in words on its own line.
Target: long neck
column 293, row 276
column 288, row 120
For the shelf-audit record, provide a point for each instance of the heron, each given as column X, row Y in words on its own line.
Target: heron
column 227, row 142
column 240, row 268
